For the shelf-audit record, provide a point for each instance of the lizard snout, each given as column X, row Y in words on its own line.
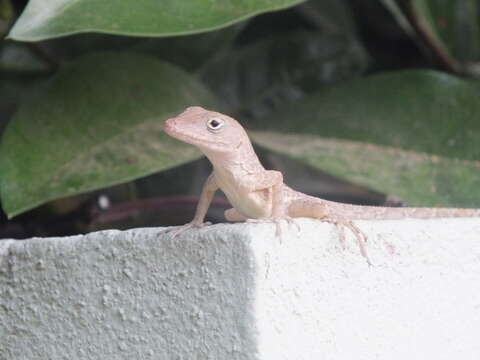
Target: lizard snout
column 169, row 125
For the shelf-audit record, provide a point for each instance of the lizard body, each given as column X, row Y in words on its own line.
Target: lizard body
column 257, row 193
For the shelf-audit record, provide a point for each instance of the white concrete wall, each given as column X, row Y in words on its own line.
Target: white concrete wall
column 237, row 292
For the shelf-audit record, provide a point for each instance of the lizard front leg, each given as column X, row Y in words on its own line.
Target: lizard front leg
column 272, row 182
column 258, row 182
column 208, row 190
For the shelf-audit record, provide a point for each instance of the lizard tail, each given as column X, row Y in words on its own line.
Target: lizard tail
column 393, row 213
column 324, row 209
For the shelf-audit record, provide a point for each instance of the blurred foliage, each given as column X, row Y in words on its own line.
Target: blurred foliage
column 451, row 28
column 83, row 112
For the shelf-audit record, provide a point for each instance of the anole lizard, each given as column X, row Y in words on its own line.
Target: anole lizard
column 257, row 193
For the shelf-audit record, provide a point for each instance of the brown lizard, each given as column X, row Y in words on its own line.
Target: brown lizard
column 257, row 194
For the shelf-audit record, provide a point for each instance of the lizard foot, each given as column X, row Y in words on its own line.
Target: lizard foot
column 177, row 230
column 359, row 235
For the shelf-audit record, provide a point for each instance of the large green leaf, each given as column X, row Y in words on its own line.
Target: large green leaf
column 98, row 123
column 43, row 19
column 420, row 179
column 421, row 111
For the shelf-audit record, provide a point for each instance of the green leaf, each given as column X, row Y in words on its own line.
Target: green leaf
column 420, row 179
column 44, row 19
column 98, row 123
column 420, row 111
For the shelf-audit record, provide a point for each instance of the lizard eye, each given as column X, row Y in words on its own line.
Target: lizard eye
column 215, row 124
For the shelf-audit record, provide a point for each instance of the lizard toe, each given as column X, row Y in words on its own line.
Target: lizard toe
column 343, row 224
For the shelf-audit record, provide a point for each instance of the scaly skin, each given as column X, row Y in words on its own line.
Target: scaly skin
column 256, row 193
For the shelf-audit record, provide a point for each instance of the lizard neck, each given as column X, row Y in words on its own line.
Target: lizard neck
column 239, row 161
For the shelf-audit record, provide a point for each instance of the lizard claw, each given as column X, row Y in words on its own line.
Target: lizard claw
column 177, row 230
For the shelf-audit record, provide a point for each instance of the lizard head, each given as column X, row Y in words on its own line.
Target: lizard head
column 209, row 130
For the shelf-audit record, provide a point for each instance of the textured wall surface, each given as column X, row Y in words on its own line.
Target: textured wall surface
column 238, row 292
